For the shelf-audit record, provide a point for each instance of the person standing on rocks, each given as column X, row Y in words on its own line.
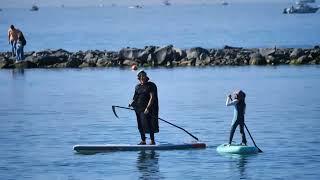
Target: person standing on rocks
column 20, row 45
column 145, row 104
column 238, row 117
column 13, row 38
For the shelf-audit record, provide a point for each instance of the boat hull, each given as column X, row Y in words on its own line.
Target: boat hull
column 300, row 11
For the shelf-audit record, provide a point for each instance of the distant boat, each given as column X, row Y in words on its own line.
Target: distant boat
column 224, row 3
column 301, row 7
column 167, row 3
column 34, row 8
column 135, row 7
column 113, row 5
column 306, row 1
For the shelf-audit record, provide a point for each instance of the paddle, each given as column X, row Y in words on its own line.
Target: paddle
column 114, row 111
column 252, row 139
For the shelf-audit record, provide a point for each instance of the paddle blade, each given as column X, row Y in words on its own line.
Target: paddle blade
column 114, row 111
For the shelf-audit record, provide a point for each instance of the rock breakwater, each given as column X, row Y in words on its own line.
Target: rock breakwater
column 165, row 56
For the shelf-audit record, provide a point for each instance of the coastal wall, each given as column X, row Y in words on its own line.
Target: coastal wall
column 166, row 56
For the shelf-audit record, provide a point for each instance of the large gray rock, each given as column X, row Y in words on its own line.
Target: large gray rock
column 219, row 53
column 196, row 52
column 25, row 64
column 28, row 53
column 296, row 53
column 79, row 55
column 230, row 53
column 48, row 60
column 90, row 58
column 257, row 59
column 163, row 55
column 203, row 60
column 73, row 62
column 184, row 62
column 178, row 54
column 129, row 53
column 143, row 57
column 301, row 60
column 61, row 53
column 5, row 62
column 103, row 62
column 48, row 57
column 31, row 58
column 46, row 52
column 272, row 60
column 315, row 53
column 267, row 51
column 244, row 58
column 134, row 54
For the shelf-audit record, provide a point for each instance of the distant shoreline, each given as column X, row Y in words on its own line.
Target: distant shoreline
column 165, row 56
column 85, row 4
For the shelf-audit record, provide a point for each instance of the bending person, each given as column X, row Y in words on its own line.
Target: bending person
column 238, row 117
column 20, row 45
column 145, row 103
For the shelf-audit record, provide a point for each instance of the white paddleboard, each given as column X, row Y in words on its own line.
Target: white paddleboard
column 96, row 148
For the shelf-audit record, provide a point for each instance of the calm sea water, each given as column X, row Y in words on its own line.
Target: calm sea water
column 209, row 26
column 44, row 112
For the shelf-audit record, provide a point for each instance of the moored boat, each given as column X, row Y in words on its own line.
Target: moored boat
column 135, row 7
column 302, row 7
column 167, row 3
column 34, row 8
column 224, row 3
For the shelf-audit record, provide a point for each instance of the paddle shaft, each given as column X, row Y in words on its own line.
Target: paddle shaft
column 252, row 138
column 113, row 109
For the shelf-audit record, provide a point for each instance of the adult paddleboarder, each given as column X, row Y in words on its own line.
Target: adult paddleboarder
column 145, row 104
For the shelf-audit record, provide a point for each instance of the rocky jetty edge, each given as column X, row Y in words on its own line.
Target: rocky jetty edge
column 165, row 56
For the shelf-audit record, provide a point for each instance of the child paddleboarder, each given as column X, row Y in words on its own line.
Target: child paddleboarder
column 238, row 116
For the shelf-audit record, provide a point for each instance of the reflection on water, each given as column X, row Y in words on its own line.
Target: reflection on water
column 17, row 73
column 52, row 110
column 147, row 164
column 238, row 162
column 241, row 165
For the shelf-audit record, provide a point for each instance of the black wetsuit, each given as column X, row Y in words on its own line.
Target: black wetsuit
column 147, row 123
column 238, row 120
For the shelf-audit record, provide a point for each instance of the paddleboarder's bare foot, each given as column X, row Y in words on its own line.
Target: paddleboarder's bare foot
column 243, row 144
column 142, row 143
column 152, row 143
column 227, row 145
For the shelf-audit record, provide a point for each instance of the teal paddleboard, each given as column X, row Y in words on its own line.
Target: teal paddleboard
column 237, row 149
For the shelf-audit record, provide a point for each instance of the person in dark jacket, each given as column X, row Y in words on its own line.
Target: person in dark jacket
column 20, row 45
column 145, row 103
column 238, row 116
